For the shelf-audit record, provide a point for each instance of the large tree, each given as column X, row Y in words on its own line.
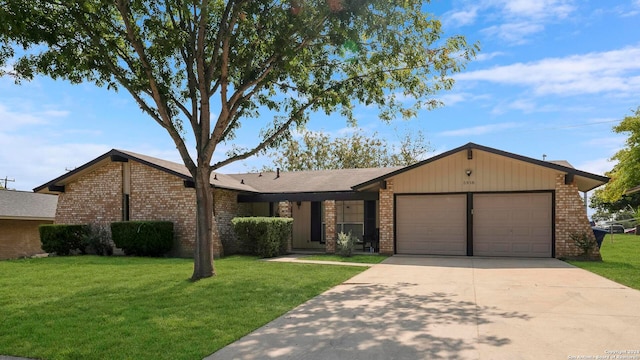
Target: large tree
column 317, row 150
column 625, row 174
column 205, row 67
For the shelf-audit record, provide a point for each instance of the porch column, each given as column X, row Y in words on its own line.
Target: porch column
column 330, row 219
column 386, row 219
column 285, row 211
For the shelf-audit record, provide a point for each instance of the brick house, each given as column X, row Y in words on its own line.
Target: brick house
column 20, row 215
column 472, row 200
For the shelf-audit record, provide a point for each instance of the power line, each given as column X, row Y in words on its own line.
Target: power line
column 6, row 179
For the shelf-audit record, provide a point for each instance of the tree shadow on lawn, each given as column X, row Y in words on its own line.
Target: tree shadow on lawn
column 373, row 322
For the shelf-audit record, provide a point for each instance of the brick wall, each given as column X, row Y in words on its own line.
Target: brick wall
column 159, row 196
column 330, row 220
column 226, row 208
column 386, row 219
column 95, row 198
column 20, row 238
column 571, row 218
column 285, row 210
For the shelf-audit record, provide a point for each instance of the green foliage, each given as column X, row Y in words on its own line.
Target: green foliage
column 143, row 238
column 97, row 241
column 63, row 239
column 90, row 307
column 626, row 173
column 620, row 260
column 345, row 244
column 266, row 63
column 318, row 151
column 263, row 236
column 584, row 242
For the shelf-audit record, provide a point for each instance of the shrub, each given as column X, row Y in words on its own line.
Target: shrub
column 143, row 238
column 63, row 239
column 345, row 244
column 97, row 241
column 583, row 242
column 263, row 236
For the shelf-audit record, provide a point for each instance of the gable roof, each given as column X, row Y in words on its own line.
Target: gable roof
column 218, row 180
column 23, row 205
column 340, row 180
column 586, row 181
column 268, row 182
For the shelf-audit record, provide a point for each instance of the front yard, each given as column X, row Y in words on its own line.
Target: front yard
column 89, row 307
column 620, row 260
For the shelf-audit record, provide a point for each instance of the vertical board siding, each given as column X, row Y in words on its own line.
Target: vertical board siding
column 490, row 172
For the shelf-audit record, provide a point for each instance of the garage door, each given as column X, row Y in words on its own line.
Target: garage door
column 512, row 225
column 431, row 224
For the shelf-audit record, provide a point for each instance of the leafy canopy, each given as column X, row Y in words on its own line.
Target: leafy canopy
column 182, row 59
column 626, row 173
column 318, row 151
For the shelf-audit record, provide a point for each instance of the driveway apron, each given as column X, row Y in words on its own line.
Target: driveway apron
column 412, row 307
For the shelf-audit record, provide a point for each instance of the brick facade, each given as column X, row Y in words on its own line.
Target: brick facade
column 571, row 218
column 330, row 221
column 20, row 238
column 95, row 198
column 285, row 210
column 386, row 219
column 226, row 207
column 159, row 196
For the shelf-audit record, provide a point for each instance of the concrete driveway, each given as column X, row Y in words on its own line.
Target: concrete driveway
column 457, row 308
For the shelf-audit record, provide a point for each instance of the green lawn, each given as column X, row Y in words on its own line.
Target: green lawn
column 89, row 307
column 620, row 260
column 359, row 258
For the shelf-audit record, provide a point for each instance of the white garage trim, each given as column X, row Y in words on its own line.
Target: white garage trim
column 431, row 224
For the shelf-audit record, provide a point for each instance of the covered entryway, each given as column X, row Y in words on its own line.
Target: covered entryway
column 514, row 224
column 431, row 224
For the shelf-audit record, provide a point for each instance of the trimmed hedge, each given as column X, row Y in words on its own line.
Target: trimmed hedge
column 63, row 239
column 143, row 238
column 263, row 236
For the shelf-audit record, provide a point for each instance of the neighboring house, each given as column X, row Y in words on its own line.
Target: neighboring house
column 20, row 215
column 472, row 200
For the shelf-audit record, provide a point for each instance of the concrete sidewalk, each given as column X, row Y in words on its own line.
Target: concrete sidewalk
column 455, row 308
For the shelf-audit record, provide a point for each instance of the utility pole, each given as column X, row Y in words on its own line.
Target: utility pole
column 6, row 179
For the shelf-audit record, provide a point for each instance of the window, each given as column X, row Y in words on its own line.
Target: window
column 350, row 217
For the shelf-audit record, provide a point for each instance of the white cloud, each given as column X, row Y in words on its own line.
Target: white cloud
column 481, row 130
column 488, row 56
column 32, row 162
column 596, row 166
column 514, row 33
column 452, row 99
column 598, row 72
column 463, row 17
column 536, row 8
column 514, row 20
column 15, row 118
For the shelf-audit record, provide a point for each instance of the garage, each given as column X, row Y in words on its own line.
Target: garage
column 431, row 224
column 479, row 201
column 516, row 224
column 504, row 224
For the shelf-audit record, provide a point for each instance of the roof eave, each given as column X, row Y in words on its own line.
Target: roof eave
column 569, row 170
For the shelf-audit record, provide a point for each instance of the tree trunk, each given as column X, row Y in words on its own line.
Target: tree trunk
column 203, row 252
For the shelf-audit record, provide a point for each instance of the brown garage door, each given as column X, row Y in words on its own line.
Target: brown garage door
column 431, row 224
column 512, row 225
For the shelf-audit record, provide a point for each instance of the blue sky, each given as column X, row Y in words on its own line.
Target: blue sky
column 553, row 77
